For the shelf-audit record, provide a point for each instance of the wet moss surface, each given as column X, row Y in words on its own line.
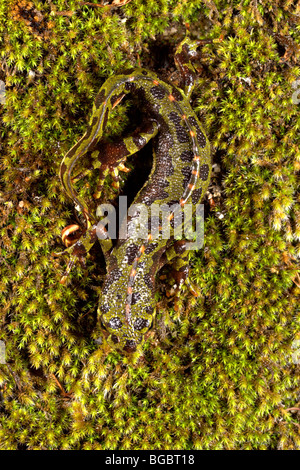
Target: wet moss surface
column 220, row 371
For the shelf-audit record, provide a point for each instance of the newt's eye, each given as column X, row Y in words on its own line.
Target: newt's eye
column 115, row 323
column 140, row 324
column 114, row 339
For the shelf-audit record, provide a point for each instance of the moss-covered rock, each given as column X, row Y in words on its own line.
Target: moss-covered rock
column 220, row 372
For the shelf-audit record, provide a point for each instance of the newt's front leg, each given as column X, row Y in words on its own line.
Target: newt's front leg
column 177, row 255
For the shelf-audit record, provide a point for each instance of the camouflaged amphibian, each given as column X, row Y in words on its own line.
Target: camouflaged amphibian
column 180, row 175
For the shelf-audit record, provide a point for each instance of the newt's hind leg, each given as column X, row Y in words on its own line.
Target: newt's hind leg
column 113, row 155
column 109, row 157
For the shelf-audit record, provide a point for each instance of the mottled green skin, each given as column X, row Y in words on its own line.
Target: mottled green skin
column 180, row 174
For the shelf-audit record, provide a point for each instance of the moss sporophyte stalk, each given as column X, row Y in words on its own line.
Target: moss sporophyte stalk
column 216, row 371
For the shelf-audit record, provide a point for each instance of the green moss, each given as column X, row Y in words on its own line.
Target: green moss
column 218, row 373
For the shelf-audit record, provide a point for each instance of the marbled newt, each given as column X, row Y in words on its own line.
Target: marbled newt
column 180, row 174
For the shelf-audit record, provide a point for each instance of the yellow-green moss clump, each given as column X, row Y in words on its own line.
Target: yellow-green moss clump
column 218, row 373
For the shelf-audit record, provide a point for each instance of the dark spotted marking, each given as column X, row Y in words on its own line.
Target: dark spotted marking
column 86, row 135
column 180, row 246
column 150, row 248
column 111, row 151
column 114, row 339
column 131, row 253
column 187, row 156
column 150, row 128
column 113, row 262
column 204, row 172
column 166, row 142
column 129, row 86
column 63, row 169
column 141, row 265
column 186, row 171
column 148, row 280
column 107, row 284
column 116, row 98
column 200, row 136
column 176, row 118
column 104, row 308
column 90, row 128
column 79, row 250
column 154, row 194
column 139, row 141
column 176, row 221
column 150, row 197
column 169, row 167
column 100, row 98
column 158, row 92
column 114, row 275
column 170, row 170
column 149, row 309
column 140, row 324
column 135, row 297
column 176, row 93
column 162, row 195
column 153, row 223
column 127, row 71
column 171, row 203
column 165, row 184
column 196, row 195
column 181, row 132
column 105, row 117
column 115, row 323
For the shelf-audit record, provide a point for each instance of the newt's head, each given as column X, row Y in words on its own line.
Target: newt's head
column 122, row 332
column 188, row 47
column 126, row 314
